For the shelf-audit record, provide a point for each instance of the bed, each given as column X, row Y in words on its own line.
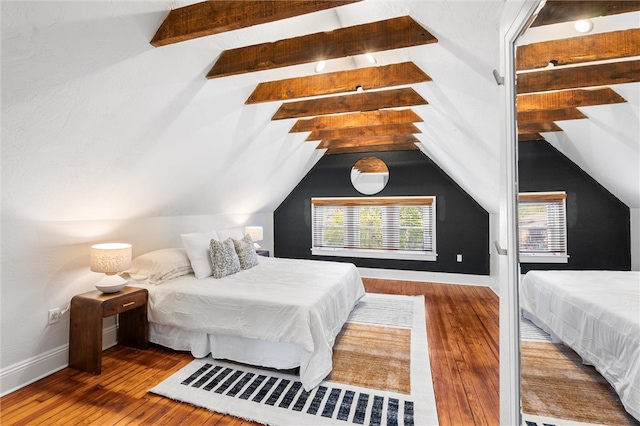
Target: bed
column 597, row 314
column 279, row 313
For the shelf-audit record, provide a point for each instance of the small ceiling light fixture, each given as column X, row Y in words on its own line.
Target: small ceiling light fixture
column 320, row 66
column 371, row 58
column 583, row 25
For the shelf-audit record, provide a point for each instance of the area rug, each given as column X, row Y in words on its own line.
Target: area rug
column 381, row 376
column 556, row 385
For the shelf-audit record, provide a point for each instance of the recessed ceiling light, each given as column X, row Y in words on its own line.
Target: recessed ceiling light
column 371, row 58
column 583, row 25
column 320, row 66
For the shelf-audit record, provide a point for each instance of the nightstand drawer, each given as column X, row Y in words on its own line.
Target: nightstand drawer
column 122, row 304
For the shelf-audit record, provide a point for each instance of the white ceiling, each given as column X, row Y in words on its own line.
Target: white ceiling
column 98, row 124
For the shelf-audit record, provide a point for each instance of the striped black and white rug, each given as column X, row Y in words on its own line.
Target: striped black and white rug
column 276, row 398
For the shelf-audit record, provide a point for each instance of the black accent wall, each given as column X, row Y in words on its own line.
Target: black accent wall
column 462, row 226
column 598, row 224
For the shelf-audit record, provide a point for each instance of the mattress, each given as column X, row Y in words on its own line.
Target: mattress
column 597, row 314
column 299, row 305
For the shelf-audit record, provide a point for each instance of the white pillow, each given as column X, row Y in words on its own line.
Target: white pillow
column 197, row 246
column 233, row 233
column 158, row 266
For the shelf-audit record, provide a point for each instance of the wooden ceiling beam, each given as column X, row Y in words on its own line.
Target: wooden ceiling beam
column 338, row 82
column 357, row 132
column 568, row 99
column 368, row 141
column 214, row 17
column 529, row 128
column 542, row 116
column 556, row 11
column 394, row 33
column 371, row 165
column 575, row 77
column 529, row 137
column 367, row 101
column 356, row 119
column 373, row 148
column 595, row 47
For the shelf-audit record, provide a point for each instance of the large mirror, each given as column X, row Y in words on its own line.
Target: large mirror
column 575, row 272
column 369, row 175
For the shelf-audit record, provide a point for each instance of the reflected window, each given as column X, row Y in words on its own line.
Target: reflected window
column 542, row 227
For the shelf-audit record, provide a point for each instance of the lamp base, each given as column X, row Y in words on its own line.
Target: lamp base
column 111, row 284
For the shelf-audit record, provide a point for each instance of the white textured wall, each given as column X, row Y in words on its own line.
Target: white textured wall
column 46, row 263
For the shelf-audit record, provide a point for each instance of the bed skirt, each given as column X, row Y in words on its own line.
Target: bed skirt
column 262, row 353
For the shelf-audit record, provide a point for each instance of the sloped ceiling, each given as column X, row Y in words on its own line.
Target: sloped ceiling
column 99, row 124
column 605, row 140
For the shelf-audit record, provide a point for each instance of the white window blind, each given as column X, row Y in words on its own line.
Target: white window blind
column 542, row 226
column 379, row 227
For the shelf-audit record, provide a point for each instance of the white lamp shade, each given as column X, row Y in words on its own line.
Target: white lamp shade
column 255, row 232
column 110, row 258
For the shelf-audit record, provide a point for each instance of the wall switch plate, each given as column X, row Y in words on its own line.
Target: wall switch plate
column 54, row 316
column 458, row 258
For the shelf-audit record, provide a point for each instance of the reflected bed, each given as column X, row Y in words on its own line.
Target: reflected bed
column 597, row 314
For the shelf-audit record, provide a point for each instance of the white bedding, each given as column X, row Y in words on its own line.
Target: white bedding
column 297, row 302
column 597, row 314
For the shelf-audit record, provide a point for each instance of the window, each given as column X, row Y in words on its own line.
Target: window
column 542, row 226
column 374, row 227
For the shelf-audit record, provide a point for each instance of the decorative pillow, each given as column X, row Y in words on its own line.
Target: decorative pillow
column 197, row 246
column 246, row 252
column 158, row 266
column 224, row 258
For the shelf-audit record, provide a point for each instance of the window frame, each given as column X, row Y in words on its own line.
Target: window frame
column 558, row 198
column 390, row 234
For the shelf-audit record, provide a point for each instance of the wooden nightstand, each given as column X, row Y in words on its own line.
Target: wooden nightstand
column 262, row 252
column 85, row 330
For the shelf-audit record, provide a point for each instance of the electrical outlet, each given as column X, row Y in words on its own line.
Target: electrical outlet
column 459, row 258
column 54, row 315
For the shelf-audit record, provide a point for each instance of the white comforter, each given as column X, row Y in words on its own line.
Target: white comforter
column 597, row 314
column 303, row 302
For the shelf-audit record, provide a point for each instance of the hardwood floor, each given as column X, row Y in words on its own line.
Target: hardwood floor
column 462, row 330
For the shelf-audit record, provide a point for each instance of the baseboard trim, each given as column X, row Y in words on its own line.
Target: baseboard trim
column 24, row 373
column 426, row 276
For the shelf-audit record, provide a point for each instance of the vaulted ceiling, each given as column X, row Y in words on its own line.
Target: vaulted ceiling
column 225, row 113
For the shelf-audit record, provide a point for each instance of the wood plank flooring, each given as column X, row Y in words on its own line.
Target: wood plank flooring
column 462, row 330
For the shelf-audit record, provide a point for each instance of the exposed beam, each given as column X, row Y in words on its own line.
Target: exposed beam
column 368, row 141
column 338, row 82
column 370, row 165
column 367, row 101
column 568, row 99
column 528, row 128
column 356, row 119
column 595, row 47
column 555, row 11
column 357, row 132
column 529, row 137
column 394, row 33
column 543, row 116
column 574, row 77
column 213, row 17
column 375, row 148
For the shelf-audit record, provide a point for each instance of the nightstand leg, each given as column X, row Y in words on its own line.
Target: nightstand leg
column 85, row 339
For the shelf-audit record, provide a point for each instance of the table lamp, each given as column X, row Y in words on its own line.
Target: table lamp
column 110, row 258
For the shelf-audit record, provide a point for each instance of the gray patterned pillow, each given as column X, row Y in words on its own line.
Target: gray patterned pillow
column 224, row 258
column 246, row 252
